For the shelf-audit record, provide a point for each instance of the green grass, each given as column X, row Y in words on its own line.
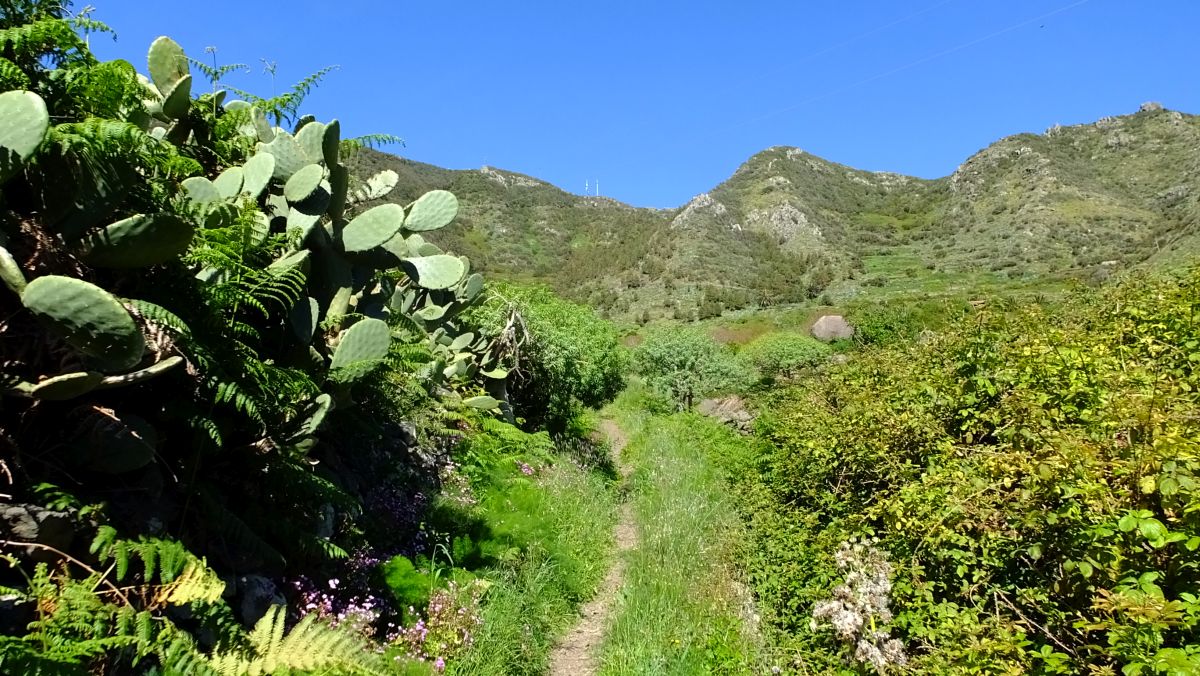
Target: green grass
column 534, row 599
column 682, row 609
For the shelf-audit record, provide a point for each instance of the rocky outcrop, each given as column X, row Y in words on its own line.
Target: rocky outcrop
column 509, row 180
column 784, row 221
column 702, row 210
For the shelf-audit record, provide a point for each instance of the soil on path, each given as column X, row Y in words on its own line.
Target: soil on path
column 576, row 654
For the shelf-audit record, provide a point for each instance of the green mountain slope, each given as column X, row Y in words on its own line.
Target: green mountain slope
column 787, row 226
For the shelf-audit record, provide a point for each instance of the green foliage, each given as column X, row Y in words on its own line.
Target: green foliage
column 681, row 608
column 550, row 534
column 682, row 365
column 560, row 355
column 782, row 355
column 890, row 322
column 193, row 317
column 1030, row 473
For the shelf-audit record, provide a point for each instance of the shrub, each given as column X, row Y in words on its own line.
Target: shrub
column 782, row 354
column 1032, row 475
column 565, row 356
column 684, row 364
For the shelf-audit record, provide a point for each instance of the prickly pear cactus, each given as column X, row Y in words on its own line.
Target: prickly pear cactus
column 435, row 209
column 373, row 227
column 10, row 272
column 435, row 272
column 88, row 318
column 366, row 341
column 140, row 241
column 24, row 126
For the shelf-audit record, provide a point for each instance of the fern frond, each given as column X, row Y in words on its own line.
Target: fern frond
column 163, row 560
column 11, row 76
column 214, row 74
column 48, row 37
column 197, row 583
column 309, row 646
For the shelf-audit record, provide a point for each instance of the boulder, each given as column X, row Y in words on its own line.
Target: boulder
column 832, row 327
column 730, row 411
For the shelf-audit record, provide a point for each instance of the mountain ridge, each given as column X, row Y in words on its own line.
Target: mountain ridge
column 788, row 226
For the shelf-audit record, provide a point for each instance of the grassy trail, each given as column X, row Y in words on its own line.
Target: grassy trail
column 576, row 654
column 681, row 609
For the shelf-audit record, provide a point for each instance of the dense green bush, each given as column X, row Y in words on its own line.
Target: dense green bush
column 682, row 365
column 890, row 322
column 782, row 354
column 562, row 355
column 1031, row 474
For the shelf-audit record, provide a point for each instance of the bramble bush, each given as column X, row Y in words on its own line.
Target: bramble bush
column 682, row 365
column 1031, row 475
column 782, row 354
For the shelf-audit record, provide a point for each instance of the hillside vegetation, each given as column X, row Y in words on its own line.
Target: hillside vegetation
column 1080, row 201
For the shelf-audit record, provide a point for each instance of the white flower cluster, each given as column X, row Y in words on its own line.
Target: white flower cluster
column 858, row 610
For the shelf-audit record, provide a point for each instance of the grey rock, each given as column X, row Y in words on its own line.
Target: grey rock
column 34, row 524
column 258, row 595
column 408, row 434
column 832, row 327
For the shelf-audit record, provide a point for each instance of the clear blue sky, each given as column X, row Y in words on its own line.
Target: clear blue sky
column 661, row 100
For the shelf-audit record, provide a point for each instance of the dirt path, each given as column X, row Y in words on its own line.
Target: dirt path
column 576, row 654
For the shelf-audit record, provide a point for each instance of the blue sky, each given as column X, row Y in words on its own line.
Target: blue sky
column 663, row 100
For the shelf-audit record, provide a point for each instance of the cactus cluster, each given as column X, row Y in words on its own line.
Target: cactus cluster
column 363, row 271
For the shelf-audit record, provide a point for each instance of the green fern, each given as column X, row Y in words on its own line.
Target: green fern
column 309, row 646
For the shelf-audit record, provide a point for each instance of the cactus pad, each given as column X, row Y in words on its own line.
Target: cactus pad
column 304, row 318
column 201, row 190
column 257, row 173
column 431, row 313
column 433, row 210
column 168, row 64
column 373, row 227
column 139, row 241
column 67, row 386
column 304, row 183
column 483, row 403
column 434, row 272
column 151, row 371
column 10, row 272
column 366, row 341
column 289, row 156
column 331, row 143
column 230, row 182
column 473, row 286
column 178, row 99
column 88, row 318
column 311, row 137
column 322, row 405
column 26, row 122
